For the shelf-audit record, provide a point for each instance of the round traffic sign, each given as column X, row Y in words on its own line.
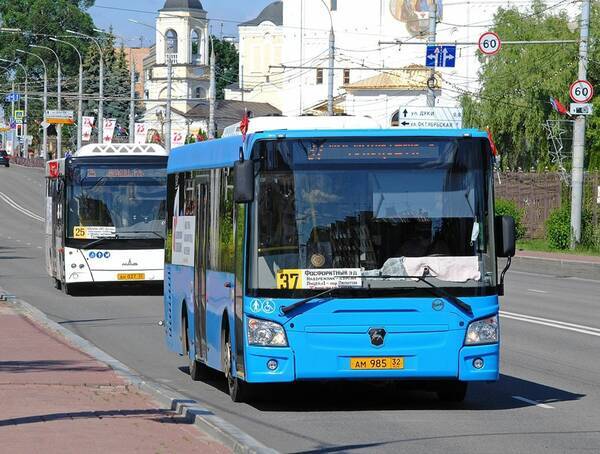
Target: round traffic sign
column 489, row 43
column 581, row 91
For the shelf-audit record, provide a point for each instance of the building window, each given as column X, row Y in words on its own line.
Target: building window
column 200, row 93
column 320, row 76
column 147, row 94
column 346, row 76
column 195, row 43
column 136, row 77
column 171, row 45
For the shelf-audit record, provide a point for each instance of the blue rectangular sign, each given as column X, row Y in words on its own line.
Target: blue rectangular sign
column 441, row 56
column 12, row 97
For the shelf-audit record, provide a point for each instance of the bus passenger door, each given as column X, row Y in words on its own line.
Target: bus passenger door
column 202, row 220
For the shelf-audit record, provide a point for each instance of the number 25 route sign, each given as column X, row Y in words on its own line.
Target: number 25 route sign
column 581, row 91
column 489, row 43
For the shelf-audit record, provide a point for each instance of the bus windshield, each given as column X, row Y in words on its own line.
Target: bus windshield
column 116, row 200
column 331, row 212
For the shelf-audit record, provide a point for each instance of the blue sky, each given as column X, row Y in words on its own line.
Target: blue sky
column 225, row 12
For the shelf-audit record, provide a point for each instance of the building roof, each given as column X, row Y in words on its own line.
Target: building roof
column 272, row 13
column 413, row 77
column 229, row 111
column 182, row 5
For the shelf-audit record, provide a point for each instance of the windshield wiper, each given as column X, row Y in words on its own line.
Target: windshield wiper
column 286, row 309
column 100, row 240
column 437, row 291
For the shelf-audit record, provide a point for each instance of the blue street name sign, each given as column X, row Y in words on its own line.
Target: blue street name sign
column 12, row 97
column 441, row 56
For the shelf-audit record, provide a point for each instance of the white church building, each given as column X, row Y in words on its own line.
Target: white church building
column 182, row 36
column 380, row 55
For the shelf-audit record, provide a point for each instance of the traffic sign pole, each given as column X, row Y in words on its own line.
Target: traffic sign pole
column 431, row 40
column 579, row 132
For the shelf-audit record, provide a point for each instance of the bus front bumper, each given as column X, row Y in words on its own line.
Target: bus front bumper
column 446, row 360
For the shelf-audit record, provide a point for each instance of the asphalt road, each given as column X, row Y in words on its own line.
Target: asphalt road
column 547, row 400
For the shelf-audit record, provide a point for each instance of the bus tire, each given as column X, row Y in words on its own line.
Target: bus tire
column 67, row 289
column 239, row 390
column 56, row 283
column 196, row 368
column 454, row 392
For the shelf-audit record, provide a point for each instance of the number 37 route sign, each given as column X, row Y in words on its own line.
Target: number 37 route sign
column 581, row 91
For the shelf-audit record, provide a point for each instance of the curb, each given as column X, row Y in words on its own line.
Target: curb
column 557, row 267
column 221, row 430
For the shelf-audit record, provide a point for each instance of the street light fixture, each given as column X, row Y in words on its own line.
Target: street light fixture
column 101, row 83
column 45, row 130
column 80, row 95
column 59, row 97
column 14, row 62
column 169, row 85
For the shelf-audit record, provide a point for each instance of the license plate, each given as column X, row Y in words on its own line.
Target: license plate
column 131, row 277
column 377, row 363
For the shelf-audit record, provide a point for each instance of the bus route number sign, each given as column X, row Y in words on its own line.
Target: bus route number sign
column 581, row 91
column 490, row 43
column 289, row 279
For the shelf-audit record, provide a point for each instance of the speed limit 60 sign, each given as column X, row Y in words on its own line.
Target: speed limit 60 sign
column 581, row 91
column 489, row 43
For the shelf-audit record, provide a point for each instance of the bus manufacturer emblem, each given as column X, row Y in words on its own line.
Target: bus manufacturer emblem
column 377, row 336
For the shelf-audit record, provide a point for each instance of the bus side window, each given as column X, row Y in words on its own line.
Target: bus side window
column 226, row 238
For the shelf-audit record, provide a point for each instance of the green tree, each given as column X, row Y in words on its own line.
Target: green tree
column 518, row 82
column 39, row 20
column 227, row 64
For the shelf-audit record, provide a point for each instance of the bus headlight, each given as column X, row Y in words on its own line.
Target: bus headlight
column 483, row 331
column 265, row 333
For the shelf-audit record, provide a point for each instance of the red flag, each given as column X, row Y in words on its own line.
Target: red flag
column 244, row 124
column 492, row 143
column 557, row 106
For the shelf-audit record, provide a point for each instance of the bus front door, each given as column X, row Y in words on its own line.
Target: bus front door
column 202, row 219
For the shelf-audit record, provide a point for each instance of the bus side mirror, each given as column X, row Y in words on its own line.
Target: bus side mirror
column 506, row 243
column 243, row 181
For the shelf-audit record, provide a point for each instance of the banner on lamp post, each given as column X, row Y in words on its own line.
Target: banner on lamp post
column 141, row 131
column 86, row 128
column 177, row 138
column 109, row 130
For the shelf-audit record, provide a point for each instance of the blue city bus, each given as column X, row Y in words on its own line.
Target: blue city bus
column 324, row 253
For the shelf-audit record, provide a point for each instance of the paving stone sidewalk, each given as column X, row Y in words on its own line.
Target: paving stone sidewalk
column 56, row 399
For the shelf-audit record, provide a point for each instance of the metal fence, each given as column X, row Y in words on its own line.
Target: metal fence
column 541, row 193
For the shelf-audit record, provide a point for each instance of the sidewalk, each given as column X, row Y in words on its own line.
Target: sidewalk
column 56, row 399
column 559, row 256
column 558, row 264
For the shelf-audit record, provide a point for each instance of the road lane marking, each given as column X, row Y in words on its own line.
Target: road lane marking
column 590, row 330
column 19, row 208
column 536, row 291
column 532, row 402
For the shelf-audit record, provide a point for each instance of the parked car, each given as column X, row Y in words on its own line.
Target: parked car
column 4, row 158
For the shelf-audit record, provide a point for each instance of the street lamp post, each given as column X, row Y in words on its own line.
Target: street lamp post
column 101, row 83
column 80, row 94
column 26, row 99
column 45, row 130
column 59, row 97
column 169, row 86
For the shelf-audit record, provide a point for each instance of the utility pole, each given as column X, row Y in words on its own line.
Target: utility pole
column 331, row 72
column 45, row 130
column 431, row 40
column 169, row 99
column 12, row 116
column 132, row 105
column 579, row 132
column 212, row 95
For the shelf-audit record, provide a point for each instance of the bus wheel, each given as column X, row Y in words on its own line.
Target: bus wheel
column 56, row 283
column 453, row 391
column 239, row 390
column 67, row 289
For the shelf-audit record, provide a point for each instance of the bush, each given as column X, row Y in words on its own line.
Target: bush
column 506, row 207
column 558, row 228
